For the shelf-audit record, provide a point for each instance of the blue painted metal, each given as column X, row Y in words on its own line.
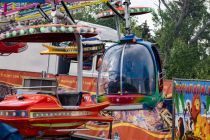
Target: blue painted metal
column 9, row 133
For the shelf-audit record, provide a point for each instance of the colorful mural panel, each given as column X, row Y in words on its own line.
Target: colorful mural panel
column 133, row 125
column 192, row 109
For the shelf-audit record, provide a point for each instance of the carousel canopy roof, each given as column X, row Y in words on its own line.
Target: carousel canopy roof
column 47, row 33
column 37, row 63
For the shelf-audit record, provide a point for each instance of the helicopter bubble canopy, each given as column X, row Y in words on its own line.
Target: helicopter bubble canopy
column 127, row 69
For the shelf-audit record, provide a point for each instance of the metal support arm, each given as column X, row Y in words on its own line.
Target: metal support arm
column 67, row 11
column 69, row 20
column 114, row 10
column 44, row 15
column 127, row 16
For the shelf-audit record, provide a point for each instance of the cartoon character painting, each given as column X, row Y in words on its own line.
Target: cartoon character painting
column 196, row 108
column 201, row 126
column 180, row 131
column 188, row 109
column 191, row 106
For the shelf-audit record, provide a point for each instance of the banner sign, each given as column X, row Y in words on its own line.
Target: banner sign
column 192, row 109
column 15, row 78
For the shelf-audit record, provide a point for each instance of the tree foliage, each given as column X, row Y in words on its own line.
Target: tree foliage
column 184, row 38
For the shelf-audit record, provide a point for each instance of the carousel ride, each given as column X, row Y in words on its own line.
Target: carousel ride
column 130, row 76
column 44, row 114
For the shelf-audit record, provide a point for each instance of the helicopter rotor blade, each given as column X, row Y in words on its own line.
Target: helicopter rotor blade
column 44, row 15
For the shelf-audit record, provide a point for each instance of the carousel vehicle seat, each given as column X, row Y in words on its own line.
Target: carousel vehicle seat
column 113, row 87
column 70, row 99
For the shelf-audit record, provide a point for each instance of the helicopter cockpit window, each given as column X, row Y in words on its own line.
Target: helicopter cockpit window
column 127, row 71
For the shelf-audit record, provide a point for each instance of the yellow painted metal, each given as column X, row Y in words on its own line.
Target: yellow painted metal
column 13, row 6
column 86, row 4
column 53, row 50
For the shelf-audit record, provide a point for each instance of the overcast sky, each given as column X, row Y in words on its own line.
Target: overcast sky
column 148, row 17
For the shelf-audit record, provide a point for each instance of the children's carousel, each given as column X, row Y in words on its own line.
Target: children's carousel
column 130, row 78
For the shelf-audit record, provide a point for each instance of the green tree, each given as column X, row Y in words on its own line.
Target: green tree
column 184, row 38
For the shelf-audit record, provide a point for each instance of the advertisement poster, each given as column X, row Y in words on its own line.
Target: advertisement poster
column 192, row 109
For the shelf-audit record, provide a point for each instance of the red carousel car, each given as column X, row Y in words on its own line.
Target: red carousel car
column 7, row 48
column 46, row 114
